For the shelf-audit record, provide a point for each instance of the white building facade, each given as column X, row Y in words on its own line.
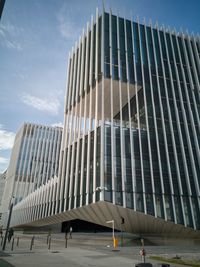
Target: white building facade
column 2, row 185
column 34, row 161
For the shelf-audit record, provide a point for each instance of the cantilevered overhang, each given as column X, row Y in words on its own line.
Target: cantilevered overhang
column 135, row 222
column 103, row 91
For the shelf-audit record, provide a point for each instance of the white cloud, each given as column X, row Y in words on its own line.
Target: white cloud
column 4, row 160
column 50, row 105
column 8, row 28
column 2, row 33
column 6, row 139
column 67, row 27
column 13, row 45
column 19, row 75
column 9, row 34
column 58, row 124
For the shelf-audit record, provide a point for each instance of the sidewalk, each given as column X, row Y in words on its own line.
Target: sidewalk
column 85, row 249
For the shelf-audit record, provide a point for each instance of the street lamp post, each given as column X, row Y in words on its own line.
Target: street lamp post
column 101, row 189
column 113, row 229
column 8, row 225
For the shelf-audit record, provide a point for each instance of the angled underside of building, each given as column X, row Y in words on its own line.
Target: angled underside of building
column 131, row 138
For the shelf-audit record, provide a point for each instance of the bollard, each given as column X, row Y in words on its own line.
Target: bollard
column 66, row 241
column 1, row 240
column 13, row 240
column 18, row 241
column 49, row 246
column 32, row 243
column 115, row 243
column 143, row 254
column 48, row 237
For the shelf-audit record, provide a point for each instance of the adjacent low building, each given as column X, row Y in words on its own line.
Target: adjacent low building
column 34, row 161
column 2, row 185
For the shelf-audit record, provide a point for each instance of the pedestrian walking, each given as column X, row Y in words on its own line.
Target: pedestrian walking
column 70, row 232
column 10, row 234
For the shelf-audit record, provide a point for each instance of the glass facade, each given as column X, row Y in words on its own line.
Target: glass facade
column 131, row 134
column 142, row 102
column 37, row 158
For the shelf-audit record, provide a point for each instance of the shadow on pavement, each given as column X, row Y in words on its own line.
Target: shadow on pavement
column 4, row 263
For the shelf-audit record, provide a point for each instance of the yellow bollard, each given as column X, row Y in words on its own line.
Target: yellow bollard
column 115, row 242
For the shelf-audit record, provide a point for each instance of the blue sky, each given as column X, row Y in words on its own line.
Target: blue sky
column 35, row 39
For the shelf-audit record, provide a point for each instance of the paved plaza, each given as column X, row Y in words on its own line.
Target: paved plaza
column 87, row 249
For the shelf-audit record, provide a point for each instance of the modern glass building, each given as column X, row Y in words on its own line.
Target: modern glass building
column 131, row 139
column 34, row 161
